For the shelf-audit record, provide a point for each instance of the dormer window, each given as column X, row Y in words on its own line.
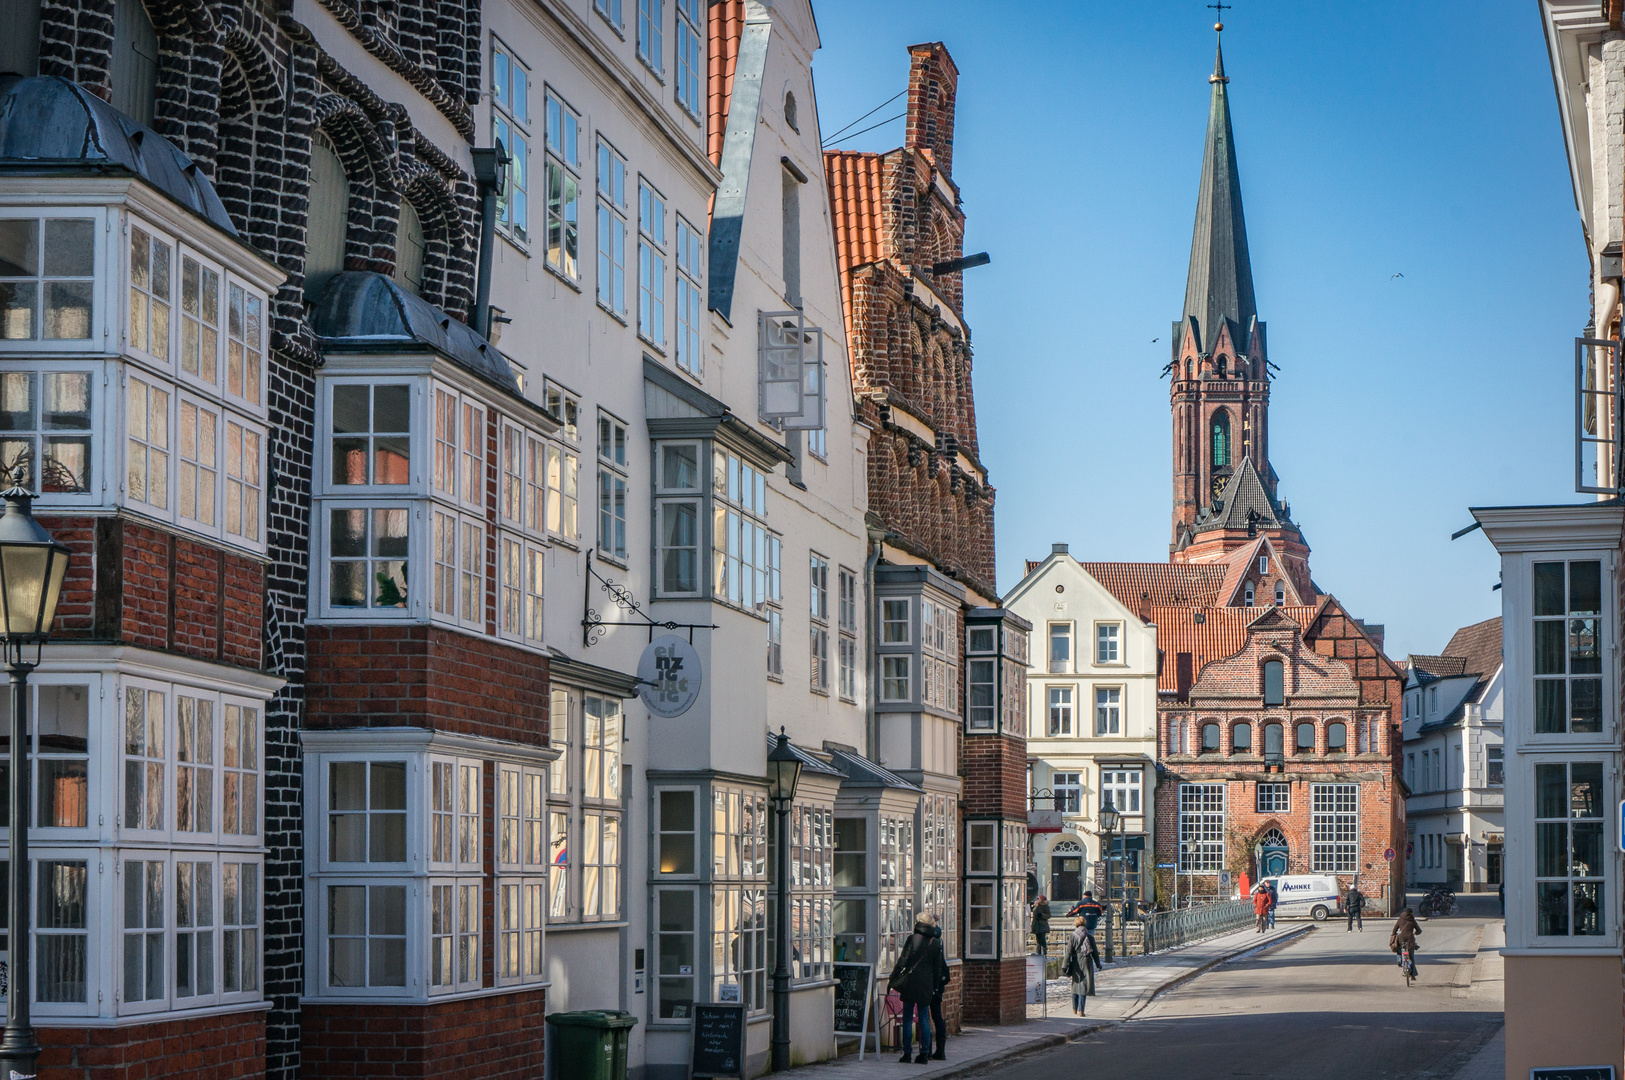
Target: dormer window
column 1280, row 594
column 1247, row 595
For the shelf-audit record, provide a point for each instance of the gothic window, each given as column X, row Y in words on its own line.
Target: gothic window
column 134, row 67
column 1221, row 439
column 329, row 215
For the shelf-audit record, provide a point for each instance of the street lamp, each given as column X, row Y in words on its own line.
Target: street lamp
column 1108, row 821
column 32, row 566
column 783, row 770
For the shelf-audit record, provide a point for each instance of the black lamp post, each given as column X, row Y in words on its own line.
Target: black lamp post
column 32, row 566
column 783, row 770
column 1108, row 821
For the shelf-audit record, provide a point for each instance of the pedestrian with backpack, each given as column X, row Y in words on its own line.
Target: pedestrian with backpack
column 1080, row 964
column 920, row 969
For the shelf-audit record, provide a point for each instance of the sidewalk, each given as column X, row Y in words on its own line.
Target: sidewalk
column 1488, row 986
column 1125, row 988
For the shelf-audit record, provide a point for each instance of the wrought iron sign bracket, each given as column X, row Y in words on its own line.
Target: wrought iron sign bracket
column 593, row 622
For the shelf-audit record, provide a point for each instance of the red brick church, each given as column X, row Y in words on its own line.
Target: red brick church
column 1278, row 715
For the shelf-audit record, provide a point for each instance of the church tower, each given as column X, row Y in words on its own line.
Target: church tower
column 1224, row 488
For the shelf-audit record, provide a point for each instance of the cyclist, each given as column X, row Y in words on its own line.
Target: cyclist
column 1404, row 936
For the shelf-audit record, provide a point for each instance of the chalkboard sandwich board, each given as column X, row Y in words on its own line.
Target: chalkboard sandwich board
column 719, row 1041
column 854, row 988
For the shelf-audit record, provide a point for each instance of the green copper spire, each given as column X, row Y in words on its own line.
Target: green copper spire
column 1220, row 284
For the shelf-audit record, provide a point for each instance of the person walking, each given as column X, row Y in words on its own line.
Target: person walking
column 1261, row 907
column 1080, row 964
column 938, row 1027
column 918, row 972
column 1041, row 915
column 1355, row 903
column 1089, row 909
column 1275, row 901
column 1501, row 895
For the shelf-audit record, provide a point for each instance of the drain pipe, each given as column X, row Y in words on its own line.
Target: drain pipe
column 490, row 167
column 871, row 735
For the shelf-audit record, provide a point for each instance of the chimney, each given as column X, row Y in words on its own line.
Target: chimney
column 933, row 83
column 1057, row 549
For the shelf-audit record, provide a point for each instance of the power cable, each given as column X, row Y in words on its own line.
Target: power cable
column 831, row 138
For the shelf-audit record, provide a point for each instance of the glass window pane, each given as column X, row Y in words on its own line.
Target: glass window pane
column 1551, row 791
column 1552, row 905
column 1551, row 704
column 1585, row 789
column 19, row 247
column 1585, row 588
column 1549, row 648
column 1548, row 588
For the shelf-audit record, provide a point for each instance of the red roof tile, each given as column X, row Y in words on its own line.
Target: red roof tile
column 1220, row 635
column 1479, row 645
column 855, row 204
column 726, row 23
column 1139, row 585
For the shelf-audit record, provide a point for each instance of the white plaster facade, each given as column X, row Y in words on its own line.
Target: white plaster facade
column 1091, row 721
column 1454, row 769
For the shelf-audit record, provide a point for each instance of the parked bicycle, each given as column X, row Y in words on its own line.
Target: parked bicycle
column 1438, row 901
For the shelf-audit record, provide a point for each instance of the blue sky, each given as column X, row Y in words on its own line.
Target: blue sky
column 1394, row 138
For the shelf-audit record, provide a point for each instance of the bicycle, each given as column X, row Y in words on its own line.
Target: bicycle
column 1407, row 964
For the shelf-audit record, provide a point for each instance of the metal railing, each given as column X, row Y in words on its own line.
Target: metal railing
column 1171, row 929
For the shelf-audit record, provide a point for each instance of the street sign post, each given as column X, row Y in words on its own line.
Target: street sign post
column 1388, row 853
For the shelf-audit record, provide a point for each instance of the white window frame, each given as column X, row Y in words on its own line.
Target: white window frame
column 889, row 620
column 209, row 378
column 257, row 378
column 689, row 298
column 146, row 445
column 1109, row 644
column 1059, row 724
column 105, row 270
column 518, row 122
column 416, row 448
column 102, row 418
column 889, row 675
column 651, row 34
column 689, row 48
column 321, row 581
column 651, row 260
column 1109, row 712
column 1060, row 630
column 564, row 133
column 610, row 239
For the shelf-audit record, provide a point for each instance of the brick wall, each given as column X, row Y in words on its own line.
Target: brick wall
column 485, row 1038
column 424, row 676
column 993, row 774
column 200, row 1048
column 134, row 583
column 995, row 991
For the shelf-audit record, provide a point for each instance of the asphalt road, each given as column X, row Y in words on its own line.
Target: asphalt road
column 1327, row 1006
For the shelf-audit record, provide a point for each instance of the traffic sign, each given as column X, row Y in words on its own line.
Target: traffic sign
column 1410, row 848
column 1165, row 866
column 1388, row 854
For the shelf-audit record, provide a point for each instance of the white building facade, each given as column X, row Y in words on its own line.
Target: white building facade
column 1455, row 764
column 1091, row 728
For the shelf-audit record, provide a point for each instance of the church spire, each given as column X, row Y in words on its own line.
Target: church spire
column 1220, row 285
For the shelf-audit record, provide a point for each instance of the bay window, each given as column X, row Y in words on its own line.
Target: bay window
column 981, row 889
column 367, row 553
column 151, row 292
column 1568, row 647
column 1571, row 857
column 371, row 435
column 939, row 865
column 398, row 882
column 147, row 422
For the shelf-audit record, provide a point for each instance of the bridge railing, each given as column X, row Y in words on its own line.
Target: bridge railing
column 1171, row 929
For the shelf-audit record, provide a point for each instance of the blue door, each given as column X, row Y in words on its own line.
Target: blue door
column 1273, row 861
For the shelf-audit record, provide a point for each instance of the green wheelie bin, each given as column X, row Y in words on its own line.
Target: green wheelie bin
column 592, row 1044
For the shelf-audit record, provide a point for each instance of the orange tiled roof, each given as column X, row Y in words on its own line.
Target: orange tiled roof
column 1143, row 585
column 1238, row 563
column 726, row 24
column 855, row 203
column 1220, row 635
column 1479, row 645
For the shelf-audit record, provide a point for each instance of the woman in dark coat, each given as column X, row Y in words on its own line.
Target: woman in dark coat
column 1405, row 931
column 920, row 969
column 939, row 1028
column 1041, row 915
column 1076, row 965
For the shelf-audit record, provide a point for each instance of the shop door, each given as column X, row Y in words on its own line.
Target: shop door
column 1492, row 865
column 1066, row 877
column 1272, row 860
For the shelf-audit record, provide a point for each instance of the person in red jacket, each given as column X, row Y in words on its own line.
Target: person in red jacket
column 1262, row 902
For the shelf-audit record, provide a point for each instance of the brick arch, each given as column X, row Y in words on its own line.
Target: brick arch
column 250, row 141
column 190, row 57
column 445, row 235
column 374, row 195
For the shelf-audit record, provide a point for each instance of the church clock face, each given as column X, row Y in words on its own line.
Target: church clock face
column 1218, row 485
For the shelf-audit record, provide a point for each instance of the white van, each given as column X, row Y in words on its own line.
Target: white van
column 1306, row 896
